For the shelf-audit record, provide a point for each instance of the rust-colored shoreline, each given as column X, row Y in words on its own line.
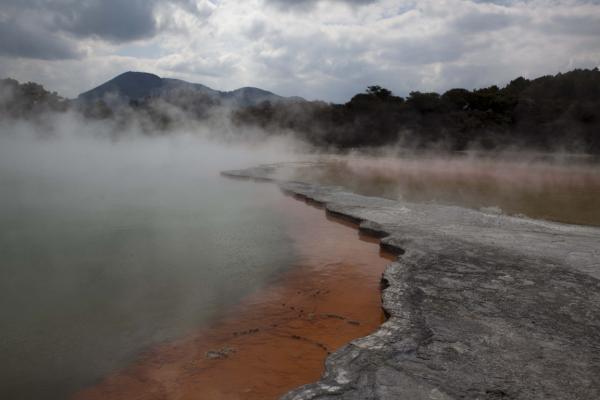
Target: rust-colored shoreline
column 278, row 338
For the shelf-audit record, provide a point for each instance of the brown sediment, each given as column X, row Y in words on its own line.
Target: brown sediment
column 278, row 338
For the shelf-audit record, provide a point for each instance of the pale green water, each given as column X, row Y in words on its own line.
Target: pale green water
column 106, row 249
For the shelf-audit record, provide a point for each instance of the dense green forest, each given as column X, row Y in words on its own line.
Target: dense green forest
column 27, row 100
column 547, row 113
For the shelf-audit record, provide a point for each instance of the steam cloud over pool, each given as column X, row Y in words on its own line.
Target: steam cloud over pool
column 108, row 247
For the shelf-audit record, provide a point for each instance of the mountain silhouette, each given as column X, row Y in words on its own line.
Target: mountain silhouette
column 141, row 85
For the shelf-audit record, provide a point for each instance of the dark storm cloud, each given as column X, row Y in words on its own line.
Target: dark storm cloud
column 113, row 20
column 38, row 29
column 31, row 42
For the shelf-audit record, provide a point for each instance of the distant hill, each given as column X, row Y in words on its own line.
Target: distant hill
column 138, row 86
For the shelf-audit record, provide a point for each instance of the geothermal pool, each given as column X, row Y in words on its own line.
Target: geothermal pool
column 107, row 249
column 277, row 338
column 132, row 267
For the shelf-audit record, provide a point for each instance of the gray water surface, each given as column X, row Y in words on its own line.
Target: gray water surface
column 108, row 248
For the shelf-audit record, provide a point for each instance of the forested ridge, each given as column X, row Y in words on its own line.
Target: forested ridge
column 547, row 113
column 544, row 113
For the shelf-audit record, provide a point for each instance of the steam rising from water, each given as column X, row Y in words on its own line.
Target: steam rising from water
column 111, row 244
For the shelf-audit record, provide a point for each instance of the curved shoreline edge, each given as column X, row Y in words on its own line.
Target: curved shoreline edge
column 480, row 306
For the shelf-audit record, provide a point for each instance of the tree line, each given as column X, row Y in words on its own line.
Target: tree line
column 547, row 113
column 561, row 111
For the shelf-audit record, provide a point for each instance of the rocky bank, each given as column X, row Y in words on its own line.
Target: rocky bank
column 480, row 306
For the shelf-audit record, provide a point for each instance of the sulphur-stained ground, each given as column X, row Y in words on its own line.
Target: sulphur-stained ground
column 479, row 306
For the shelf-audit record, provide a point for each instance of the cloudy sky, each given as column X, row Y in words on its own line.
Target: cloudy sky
column 318, row 49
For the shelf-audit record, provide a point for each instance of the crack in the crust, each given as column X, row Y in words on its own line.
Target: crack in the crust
column 391, row 248
column 345, row 217
column 318, row 344
column 373, row 232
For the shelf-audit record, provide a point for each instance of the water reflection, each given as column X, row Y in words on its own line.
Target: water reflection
column 565, row 190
